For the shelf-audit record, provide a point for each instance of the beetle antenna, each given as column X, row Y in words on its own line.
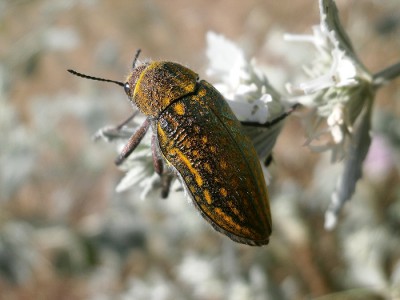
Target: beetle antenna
column 95, row 78
column 136, row 58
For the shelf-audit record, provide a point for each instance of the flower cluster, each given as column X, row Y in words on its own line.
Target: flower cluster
column 340, row 92
column 246, row 89
column 340, row 88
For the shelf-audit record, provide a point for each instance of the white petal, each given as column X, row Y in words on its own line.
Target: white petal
column 222, row 54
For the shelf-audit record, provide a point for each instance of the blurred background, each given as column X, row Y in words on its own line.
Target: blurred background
column 65, row 233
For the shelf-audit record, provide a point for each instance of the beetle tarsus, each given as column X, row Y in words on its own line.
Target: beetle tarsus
column 110, row 133
column 166, row 180
column 273, row 122
column 157, row 161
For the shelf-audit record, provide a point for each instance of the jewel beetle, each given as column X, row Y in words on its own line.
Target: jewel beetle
column 196, row 133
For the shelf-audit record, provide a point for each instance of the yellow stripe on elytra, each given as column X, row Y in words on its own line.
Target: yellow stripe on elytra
column 162, row 135
column 207, row 196
column 229, row 221
column 188, row 164
column 163, row 140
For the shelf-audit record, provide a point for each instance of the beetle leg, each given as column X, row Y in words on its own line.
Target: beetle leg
column 166, row 180
column 157, row 161
column 273, row 122
column 130, row 118
column 133, row 142
column 166, row 177
column 268, row 160
column 114, row 132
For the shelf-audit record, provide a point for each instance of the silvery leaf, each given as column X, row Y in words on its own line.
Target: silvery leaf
column 357, row 151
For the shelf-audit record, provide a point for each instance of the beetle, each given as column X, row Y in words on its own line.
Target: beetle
column 198, row 136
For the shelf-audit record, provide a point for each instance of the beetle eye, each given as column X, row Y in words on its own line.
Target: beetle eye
column 127, row 89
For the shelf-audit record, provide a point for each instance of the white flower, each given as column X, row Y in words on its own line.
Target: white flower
column 246, row 89
column 340, row 86
column 341, row 92
column 243, row 85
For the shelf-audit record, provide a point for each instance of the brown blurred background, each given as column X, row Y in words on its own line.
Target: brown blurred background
column 64, row 231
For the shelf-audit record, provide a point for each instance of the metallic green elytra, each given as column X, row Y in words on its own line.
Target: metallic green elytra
column 199, row 137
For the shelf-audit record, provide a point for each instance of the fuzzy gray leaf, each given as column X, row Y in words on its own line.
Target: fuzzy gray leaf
column 357, row 151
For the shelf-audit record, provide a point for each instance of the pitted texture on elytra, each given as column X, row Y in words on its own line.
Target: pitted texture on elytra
column 199, row 136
